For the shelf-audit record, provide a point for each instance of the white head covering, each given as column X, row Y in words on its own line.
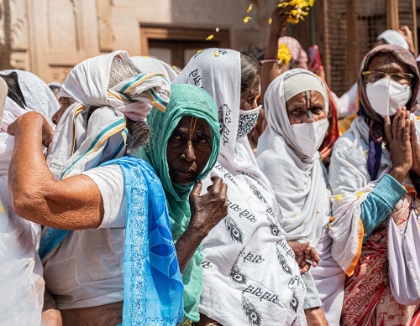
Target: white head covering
column 37, row 94
column 150, row 65
column 253, row 226
column 20, row 265
column 78, row 146
column 38, row 97
column 299, row 183
column 393, row 37
column 88, row 84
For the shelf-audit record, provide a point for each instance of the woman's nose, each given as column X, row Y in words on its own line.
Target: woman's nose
column 189, row 154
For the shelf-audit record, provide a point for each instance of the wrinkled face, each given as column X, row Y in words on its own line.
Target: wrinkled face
column 249, row 99
column 304, row 104
column 189, row 149
column 64, row 102
column 386, row 62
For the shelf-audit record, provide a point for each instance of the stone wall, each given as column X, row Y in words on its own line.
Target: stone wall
column 48, row 37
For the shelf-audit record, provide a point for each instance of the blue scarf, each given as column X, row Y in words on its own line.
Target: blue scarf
column 152, row 280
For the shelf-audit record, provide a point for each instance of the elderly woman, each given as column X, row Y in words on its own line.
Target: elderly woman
column 108, row 238
column 250, row 239
column 299, row 59
column 20, row 266
column 296, row 106
column 184, row 145
column 374, row 167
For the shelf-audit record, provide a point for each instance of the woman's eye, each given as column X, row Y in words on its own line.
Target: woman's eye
column 176, row 137
column 251, row 100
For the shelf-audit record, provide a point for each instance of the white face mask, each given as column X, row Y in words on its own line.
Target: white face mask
column 247, row 121
column 386, row 96
column 310, row 136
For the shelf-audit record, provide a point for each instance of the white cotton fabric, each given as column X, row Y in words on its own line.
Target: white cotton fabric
column 329, row 280
column 404, row 257
column 21, row 272
column 351, row 184
column 350, row 179
column 87, row 84
column 346, row 104
column 298, row 83
column 250, row 239
column 37, row 94
column 299, row 181
column 151, row 65
column 393, row 37
column 76, row 274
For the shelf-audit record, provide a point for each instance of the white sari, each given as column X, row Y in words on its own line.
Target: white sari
column 302, row 191
column 21, row 271
column 250, row 239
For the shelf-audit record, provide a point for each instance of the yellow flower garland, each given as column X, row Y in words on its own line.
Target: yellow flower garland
column 301, row 9
column 283, row 54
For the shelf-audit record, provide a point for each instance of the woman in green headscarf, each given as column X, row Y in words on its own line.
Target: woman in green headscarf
column 183, row 148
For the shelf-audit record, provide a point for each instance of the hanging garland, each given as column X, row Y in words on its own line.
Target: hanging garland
column 301, row 9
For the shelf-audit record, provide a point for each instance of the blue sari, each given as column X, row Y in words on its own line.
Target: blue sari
column 153, row 289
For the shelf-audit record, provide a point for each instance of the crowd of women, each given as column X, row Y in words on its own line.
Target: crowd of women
column 137, row 199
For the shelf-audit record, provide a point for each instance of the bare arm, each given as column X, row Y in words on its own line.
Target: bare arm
column 408, row 35
column 270, row 69
column 206, row 212
column 73, row 203
column 51, row 316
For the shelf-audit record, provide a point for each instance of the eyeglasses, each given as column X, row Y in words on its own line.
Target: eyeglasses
column 400, row 77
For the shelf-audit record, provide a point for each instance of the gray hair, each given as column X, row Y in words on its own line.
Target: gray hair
column 138, row 131
column 120, row 71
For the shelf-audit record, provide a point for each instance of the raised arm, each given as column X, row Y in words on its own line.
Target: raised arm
column 73, row 203
column 270, row 69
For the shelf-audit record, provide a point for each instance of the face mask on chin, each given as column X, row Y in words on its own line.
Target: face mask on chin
column 386, row 96
column 310, row 136
column 247, row 121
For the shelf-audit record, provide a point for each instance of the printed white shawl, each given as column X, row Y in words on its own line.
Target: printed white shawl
column 250, row 239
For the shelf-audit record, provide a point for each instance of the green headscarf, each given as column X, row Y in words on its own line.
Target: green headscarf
column 185, row 100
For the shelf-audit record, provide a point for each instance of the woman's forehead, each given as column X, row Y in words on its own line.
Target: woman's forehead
column 387, row 61
column 301, row 97
column 193, row 123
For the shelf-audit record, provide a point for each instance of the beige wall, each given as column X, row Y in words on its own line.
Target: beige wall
column 49, row 37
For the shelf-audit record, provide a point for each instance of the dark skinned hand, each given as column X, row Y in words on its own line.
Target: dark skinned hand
column 398, row 137
column 279, row 19
column 31, row 118
column 303, row 253
column 211, row 208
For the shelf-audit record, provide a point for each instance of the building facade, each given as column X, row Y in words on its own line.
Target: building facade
column 48, row 37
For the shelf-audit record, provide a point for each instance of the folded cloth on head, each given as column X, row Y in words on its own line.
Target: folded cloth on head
column 393, row 37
